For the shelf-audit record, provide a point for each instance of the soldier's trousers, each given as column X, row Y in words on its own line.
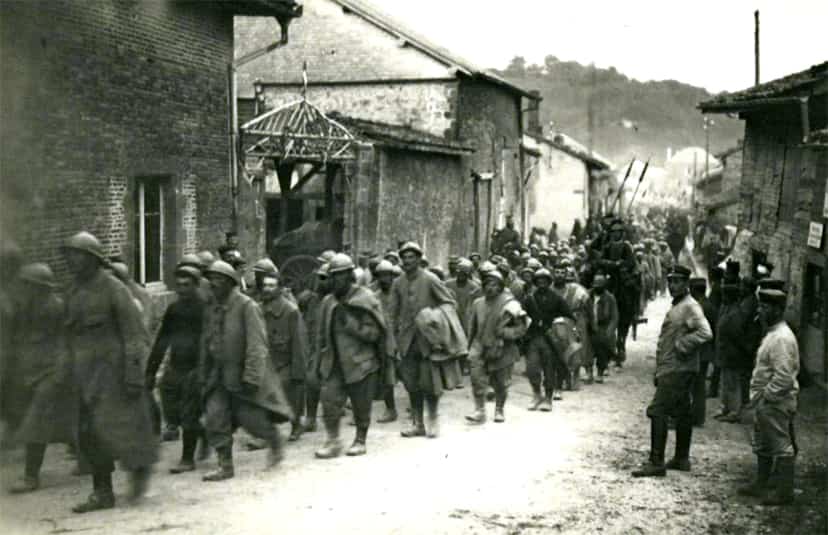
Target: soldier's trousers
column 335, row 391
column 181, row 398
column 295, row 393
column 541, row 368
column 773, row 430
column 224, row 413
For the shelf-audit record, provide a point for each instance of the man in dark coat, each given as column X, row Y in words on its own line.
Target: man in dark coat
column 108, row 346
column 603, row 325
column 241, row 388
column 543, row 306
column 43, row 409
column 310, row 301
column 619, row 264
column 180, row 332
column 354, row 342
column 733, row 349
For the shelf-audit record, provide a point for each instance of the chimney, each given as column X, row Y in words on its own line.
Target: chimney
column 533, row 125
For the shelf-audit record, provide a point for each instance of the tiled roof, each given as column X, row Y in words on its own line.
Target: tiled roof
column 400, row 136
column 793, row 85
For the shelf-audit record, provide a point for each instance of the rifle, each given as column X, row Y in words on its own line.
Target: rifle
column 640, row 179
column 621, row 189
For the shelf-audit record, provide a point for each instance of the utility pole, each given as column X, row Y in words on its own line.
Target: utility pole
column 707, row 124
column 756, row 45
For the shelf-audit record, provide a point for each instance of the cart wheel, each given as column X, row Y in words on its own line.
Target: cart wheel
column 297, row 273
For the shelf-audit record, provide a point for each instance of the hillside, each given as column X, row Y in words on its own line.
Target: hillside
column 630, row 117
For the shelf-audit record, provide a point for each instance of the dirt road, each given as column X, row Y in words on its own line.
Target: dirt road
column 560, row 472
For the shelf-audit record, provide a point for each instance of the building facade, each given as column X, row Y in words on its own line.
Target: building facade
column 367, row 66
column 782, row 196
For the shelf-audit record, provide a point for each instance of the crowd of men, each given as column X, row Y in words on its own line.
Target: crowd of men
column 236, row 353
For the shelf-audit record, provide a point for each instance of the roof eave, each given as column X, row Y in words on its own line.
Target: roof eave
column 284, row 10
column 747, row 104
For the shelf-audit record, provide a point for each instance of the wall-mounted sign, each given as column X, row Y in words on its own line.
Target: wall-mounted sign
column 815, row 235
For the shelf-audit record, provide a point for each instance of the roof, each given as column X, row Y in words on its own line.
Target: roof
column 780, row 91
column 400, row 137
column 568, row 145
column 281, row 8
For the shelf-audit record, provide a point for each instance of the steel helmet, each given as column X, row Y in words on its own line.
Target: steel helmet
column 527, row 269
column 543, row 272
column 384, row 267
column 191, row 259
column 465, row 265
column 207, row 258
column 412, row 247
column 486, row 267
column 534, row 264
column 493, row 274
column 326, row 256
column 323, row 270
column 265, row 265
column 340, row 262
column 38, row 273
column 186, row 270
column 223, row 268
column 86, row 242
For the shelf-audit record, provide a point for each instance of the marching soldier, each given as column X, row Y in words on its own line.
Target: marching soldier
column 619, row 264
column 108, row 346
column 241, row 388
column 386, row 273
column 180, row 332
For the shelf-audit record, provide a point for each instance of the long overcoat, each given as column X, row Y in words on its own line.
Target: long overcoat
column 108, row 346
column 241, row 356
column 44, row 401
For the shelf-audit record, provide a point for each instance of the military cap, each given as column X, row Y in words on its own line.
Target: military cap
column 220, row 267
column 487, row 266
column 698, row 282
column 265, row 265
column 38, row 273
column 340, row 262
column 493, row 274
column 773, row 297
column 411, row 246
column 679, row 272
column 543, row 272
column 771, row 284
column 543, row 254
column 86, row 242
column 533, row 264
column 453, row 259
column 191, row 259
column 392, row 257
column 527, row 269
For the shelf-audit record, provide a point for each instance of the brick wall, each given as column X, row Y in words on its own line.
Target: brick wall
column 108, row 91
column 425, row 106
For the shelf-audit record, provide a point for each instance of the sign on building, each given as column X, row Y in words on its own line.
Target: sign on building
column 815, row 235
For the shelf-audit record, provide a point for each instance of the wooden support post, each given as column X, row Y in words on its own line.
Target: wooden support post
column 284, row 172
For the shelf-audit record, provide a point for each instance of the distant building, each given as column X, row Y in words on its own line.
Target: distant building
column 782, row 195
column 717, row 192
column 566, row 182
column 115, row 121
column 369, row 67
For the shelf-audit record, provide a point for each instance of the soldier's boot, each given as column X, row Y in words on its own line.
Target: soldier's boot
column 358, row 447
column 783, row 493
column 203, row 451
column 102, row 496
column 546, row 403
column 31, row 478
column 684, row 436
column 479, row 414
column 390, row 414
column 417, row 428
column 433, row 410
column 500, row 403
column 189, row 439
column 138, row 483
column 590, row 375
column 225, row 468
column 537, row 398
column 658, row 441
column 333, row 446
column 296, row 430
column 276, row 452
column 759, row 486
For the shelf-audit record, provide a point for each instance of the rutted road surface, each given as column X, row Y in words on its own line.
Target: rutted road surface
column 560, row 472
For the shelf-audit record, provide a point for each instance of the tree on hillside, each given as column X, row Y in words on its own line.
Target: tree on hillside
column 517, row 67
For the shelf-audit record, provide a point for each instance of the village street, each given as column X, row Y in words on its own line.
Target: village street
column 563, row 472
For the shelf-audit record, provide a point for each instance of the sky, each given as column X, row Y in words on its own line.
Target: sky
column 706, row 43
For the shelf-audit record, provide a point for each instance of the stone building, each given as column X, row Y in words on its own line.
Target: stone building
column 115, row 121
column 364, row 65
column 717, row 192
column 782, row 196
column 566, row 182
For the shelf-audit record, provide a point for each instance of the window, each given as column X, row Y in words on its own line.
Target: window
column 149, row 230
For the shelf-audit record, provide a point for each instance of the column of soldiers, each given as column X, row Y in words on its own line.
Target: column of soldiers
column 253, row 359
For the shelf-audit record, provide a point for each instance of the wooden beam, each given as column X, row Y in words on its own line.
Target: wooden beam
column 314, row 170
